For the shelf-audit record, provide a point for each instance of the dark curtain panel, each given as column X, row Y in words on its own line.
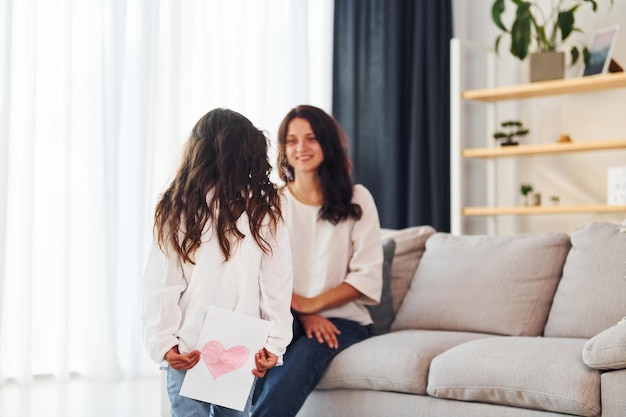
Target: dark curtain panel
column 391, row 94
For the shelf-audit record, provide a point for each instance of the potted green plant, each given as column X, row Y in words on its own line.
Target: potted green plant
column 511, row 129
column 542, row 34
column 526, row 189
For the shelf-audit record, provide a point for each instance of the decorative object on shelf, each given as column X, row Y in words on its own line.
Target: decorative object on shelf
column 536, row 199
column 600, row 52
column 511, row 128
column 565, row 138
column 555, row 200
column 616, row 186
column 536, row 32
column 526, row 189
column 547, row 66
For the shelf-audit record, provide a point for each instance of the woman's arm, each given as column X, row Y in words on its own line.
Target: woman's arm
column 339, row 295
column 365, row 267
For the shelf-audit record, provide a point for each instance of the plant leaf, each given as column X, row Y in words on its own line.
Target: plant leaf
column 496, row 14
column 586, row 55
column 497, row 46
column 521, row 31
column 565, row 22
column 574, row 54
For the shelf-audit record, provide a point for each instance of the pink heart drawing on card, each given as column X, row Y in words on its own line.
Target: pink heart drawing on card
column 221, row 361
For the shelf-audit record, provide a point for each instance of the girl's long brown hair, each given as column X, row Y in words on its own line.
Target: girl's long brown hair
column 224, row 172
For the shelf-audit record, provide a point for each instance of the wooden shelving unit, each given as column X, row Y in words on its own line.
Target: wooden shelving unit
column 542, row 89
column 490, row 96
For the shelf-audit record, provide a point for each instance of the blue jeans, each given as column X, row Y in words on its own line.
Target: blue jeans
column 285, row 388
column 188, row 407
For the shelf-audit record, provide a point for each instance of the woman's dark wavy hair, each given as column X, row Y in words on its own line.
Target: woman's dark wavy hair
column 334, row 172
column 227, row 155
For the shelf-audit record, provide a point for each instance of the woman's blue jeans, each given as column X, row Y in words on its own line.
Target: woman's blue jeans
column 285, row 388
column 188, row 407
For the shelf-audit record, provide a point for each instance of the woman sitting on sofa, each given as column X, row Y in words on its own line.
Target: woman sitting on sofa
column 337, row 257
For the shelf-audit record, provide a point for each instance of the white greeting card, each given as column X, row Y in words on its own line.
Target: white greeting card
column 228, row 342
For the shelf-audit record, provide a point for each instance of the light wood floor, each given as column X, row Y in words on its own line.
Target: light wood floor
column 81, row 398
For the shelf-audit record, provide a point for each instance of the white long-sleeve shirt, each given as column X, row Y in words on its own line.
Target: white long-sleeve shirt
column 325, row 255
column 177, row 295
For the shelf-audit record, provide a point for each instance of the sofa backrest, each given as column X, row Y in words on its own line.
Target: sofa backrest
column 591, row 295
column 488, row 284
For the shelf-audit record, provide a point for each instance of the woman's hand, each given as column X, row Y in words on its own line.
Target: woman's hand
column 264, row 360
column 321, row 328
column 182, row 362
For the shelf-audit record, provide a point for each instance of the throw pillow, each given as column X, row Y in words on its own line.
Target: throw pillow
column 410, row 244
column 590, row 296
column 607, row 350
column 383, row 313
column 486, row 284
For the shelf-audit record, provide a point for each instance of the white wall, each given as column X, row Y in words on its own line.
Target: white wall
column 575, row 178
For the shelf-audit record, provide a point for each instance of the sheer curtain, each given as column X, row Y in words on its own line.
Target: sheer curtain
column 95, row 100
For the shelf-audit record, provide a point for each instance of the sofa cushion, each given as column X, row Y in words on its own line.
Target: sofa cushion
column 590, row 296
column 487, row 284
column 396, row 361
column 410, row 245
column 528, row 372
column 382, row 313
column 607, row 350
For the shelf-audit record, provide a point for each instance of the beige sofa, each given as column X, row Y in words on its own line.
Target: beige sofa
column 480, row 326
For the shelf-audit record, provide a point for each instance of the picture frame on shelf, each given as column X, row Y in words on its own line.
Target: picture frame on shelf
column 601, row 51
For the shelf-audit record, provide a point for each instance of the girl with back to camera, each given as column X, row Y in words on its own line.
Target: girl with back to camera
column 219, row 240
column 337, row 257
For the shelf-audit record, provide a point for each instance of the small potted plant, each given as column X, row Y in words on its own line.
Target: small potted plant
column 538, row 32
column 526, row 189
column 510, row 129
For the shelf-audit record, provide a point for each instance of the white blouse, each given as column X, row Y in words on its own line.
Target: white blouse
column 325, row 255
column 177, row 295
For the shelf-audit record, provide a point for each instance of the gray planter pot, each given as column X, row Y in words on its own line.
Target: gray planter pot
column 547, row 66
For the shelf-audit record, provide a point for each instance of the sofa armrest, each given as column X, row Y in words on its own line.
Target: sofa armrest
column 607, row 350
column 612, row 392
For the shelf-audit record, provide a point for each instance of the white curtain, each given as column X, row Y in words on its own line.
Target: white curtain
column 96, row 98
